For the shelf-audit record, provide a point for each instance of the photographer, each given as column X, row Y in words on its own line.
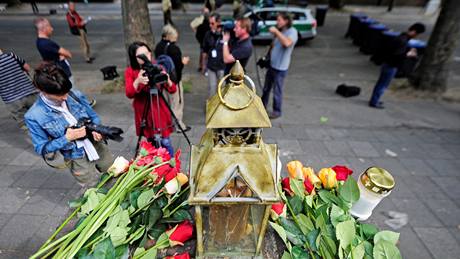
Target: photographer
column 158, row 118
column 241, row 47
column 50, row 122
column 280, row 58
column 212, row 47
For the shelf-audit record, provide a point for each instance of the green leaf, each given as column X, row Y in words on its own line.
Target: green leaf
column 138, row 251
column 297, row 187
column 118, row 235
column 358, row 251
column 386, row 235
column 368, row 248
column 296, row 204
column 345, row 232
column 328, row 197
column 162, row 240
column 309, row 200
column 290, row 226
column 124, row 218
column 311, row 239
column 386, row 250
column 298, row 253
column 155, row 231
column 329, row 243
column 122, row 252
column 91, row 202
column 133, row 197
column 280, row 231
column 136, row 235
column 306, row 225
column 286, row 255
column 151, row 253
column 144, row 198
column 368, row 230
column 77, row 202
column 154, row 215
column 104, row 250
column 336, row 213
column 349, row 191
column 83, row 253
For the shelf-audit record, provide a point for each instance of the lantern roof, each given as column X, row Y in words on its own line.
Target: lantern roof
column 236, row 105
column 212, row 168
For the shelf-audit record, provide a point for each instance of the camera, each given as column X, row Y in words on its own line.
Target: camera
column 153, row 72
column 112, row 133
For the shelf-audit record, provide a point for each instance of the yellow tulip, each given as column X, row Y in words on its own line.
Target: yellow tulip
column 182, row 178
column 295, row 169
column 309, row 173
column 327, row 177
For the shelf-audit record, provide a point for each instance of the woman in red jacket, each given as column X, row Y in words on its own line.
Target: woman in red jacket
column 158, row 120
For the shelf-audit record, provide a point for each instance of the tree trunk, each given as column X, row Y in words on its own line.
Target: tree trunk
column 433, row 71
column 11, row 3
column 136, row 22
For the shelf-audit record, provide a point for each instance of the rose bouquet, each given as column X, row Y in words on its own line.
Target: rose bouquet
column 314, row 221
column 146, row 209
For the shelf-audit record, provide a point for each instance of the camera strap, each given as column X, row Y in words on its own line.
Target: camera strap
column 60, row 166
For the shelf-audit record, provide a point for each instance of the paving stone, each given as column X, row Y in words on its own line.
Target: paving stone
column 10, row 174
column 417, row 167
column 47, row 228
column 436, row 151
column 338, row 134
column 363, row 149
column 26, row 158
column 385, row 136
column 450, row 136
column 392, row 165
column 361, row 135
column 452, row 148
column 8, row 154
column 4, row 219
column 339, row 148
column 21, row 227
column 359, row 165
column 289, row 147
column 411, row 246
column 318, row 134
column 402, row 150
column 455, row 231
column 430, row 136
column 8, row 254
column 274, row 132
column 43, row 202
column 34, row 178
column 294, row 131
column 407, row 136
column 419, row 214
column 446, row 210
column 61, row 179
column 423, row 187
column 401, row 189
column 439, row 242
column 314, row 147
column 329, row 161
column 14, row 198
column 444, row 167
column 450, row 186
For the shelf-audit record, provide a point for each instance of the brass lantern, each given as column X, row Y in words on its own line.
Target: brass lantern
column 233, row 173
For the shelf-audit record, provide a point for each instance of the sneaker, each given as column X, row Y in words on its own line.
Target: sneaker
column 90, row 60
column 274, row 116
column 92, row 103
column 187, row 128
column 379, row 105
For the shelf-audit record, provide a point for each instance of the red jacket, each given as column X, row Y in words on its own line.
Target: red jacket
column 140, row 97
column 74, row 19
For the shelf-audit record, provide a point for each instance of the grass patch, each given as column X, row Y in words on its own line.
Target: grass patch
column 114, row 86
column 187, row 85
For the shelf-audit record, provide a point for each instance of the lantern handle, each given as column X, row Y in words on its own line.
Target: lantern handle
column 219, row 92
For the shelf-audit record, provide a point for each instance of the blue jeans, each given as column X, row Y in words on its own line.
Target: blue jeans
column 387, row 73
column 274, row 79
column 166, row 143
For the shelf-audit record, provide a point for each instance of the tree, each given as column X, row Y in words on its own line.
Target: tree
column 433, row 71
column 136, row 22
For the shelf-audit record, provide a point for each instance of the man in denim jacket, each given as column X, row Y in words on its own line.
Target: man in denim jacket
column 50, row 120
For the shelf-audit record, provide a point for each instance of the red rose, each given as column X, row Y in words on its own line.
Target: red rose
column 278, row 210
column 309, row 187
column 145, row 160
column 286, row 184
column 180, row 233
column 342, row 172
column 181, row 256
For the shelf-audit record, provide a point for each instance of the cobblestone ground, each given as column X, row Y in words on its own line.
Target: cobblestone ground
column 418, row 141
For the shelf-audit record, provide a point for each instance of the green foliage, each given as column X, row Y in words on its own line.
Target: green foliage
column 320, row 226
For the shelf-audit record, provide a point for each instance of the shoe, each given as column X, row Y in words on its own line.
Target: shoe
column 92, row 103
column 274, row 116
column 90, row 60
column 379, row 105
column 187, row 128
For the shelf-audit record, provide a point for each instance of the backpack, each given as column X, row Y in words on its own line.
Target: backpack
column 167, row 63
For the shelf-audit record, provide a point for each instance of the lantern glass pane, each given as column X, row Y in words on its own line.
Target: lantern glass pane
column 231, row 229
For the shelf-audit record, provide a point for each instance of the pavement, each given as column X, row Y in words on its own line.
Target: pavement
column 417, row 140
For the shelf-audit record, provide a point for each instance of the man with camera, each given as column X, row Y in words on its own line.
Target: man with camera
column 51, row 122
column 78, row 28
column 280, row 57
column 212, row 47
column 241, row 47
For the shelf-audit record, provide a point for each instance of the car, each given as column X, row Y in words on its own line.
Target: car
column 303, row 21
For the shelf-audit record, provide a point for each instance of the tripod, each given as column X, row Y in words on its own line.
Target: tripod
column 155, row 93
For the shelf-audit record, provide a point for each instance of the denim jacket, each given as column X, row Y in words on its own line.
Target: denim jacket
column 45, row 124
